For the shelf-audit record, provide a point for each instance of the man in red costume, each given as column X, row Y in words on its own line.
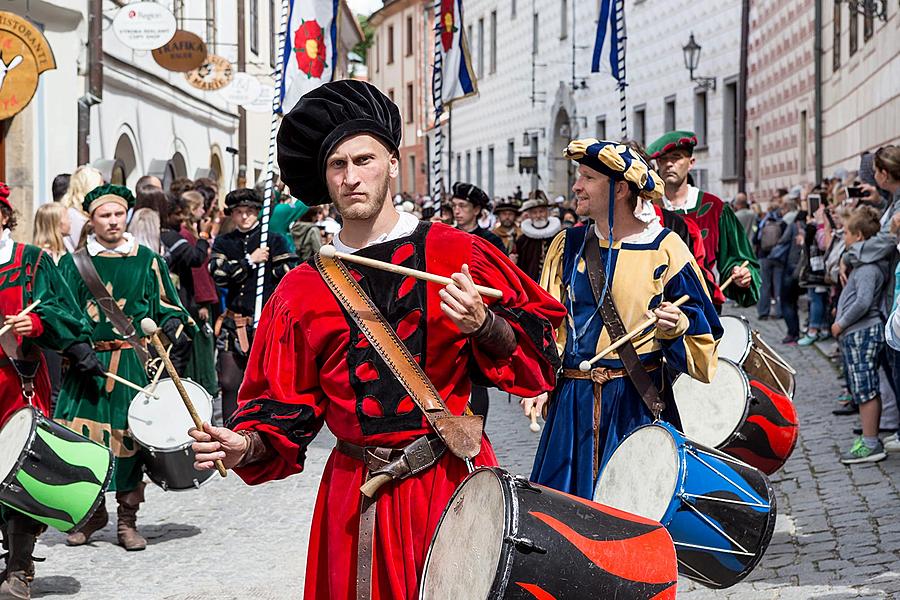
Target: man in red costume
column 310, row 364
column 28, row 274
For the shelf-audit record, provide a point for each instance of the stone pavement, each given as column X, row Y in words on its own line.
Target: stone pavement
column 837, row 534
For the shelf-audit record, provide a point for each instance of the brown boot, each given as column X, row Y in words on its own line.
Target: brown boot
column 21, row 534
column 94, row 524
column 126, row 528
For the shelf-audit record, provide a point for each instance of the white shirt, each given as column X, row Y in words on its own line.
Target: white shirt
column 644, row 237
column 406, row 224
column 6, row 246
column 691, row 201
column 94, row 247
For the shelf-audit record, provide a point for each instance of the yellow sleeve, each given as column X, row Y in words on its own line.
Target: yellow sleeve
column 552, row 281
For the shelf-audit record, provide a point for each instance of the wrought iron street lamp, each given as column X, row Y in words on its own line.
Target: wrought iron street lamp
column 692, row 60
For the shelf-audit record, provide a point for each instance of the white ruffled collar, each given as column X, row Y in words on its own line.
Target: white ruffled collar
column 547, row 231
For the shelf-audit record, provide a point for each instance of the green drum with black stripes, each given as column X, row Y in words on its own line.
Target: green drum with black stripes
column 51, row 473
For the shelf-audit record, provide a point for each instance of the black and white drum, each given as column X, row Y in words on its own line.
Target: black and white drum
column 503, row 537
column 160, row 426
column 746, row 347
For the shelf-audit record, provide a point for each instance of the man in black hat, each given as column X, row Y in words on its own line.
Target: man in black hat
column 235, row 258
column 468, row 202
column 538, row 229
column 506, row 228
column 312, row 363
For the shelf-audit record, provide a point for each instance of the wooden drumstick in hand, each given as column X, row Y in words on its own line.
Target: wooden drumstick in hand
column 24, row 312
column 148, row 326
column 731, row 278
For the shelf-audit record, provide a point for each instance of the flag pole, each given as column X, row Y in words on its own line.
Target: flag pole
column 437, row 94
column 620, row 31
column 270, row 161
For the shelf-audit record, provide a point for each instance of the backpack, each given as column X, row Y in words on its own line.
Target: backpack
column 769, row 235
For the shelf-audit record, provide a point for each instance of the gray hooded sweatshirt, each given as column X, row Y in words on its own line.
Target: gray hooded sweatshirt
column 861, row 301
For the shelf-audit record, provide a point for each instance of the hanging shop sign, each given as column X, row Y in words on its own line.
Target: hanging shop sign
column 242, row 90
column 144, row 25
column 214, row 74
column 263, row 102
column 184, row 52
column 24, row 55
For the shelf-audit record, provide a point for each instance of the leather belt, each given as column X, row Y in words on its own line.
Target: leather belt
column 600, row 376
column 399, row 463
column 241, row 323
column 116, row 347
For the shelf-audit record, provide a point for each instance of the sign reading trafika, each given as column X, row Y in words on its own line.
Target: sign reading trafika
column 184, row 52
column 144, row 25
column 24, row 55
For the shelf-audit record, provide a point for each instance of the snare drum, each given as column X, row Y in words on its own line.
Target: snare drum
column 719, row 511
column 503, row 537
column 747, row 348
column 739, row 416
column 51, row 473
column 161, row 427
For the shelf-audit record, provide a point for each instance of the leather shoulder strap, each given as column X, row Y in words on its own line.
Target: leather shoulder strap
column 613, row 323
column 107, row 303
column 384, row 339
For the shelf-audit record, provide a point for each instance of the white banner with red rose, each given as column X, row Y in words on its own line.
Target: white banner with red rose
column 310, row 51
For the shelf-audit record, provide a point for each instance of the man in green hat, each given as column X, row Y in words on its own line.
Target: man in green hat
column 726, row 244
column 138, row 281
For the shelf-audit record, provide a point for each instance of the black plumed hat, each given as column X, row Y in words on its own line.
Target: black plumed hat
column 322, row 119
column 474, row 194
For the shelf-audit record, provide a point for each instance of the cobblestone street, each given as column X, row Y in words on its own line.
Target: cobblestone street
column 837, row 535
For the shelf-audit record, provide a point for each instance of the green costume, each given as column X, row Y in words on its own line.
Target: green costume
column 98, row 408
column 283, row 215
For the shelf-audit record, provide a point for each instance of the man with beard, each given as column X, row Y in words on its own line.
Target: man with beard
column 621, row 264
column 234, row 263
column 506, row 228
column 727, row 247
column 468, row 202
column 137, row 280
column 313, row 361
column 538, row 230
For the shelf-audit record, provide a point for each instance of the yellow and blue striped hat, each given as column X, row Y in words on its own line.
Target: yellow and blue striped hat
column 617, row 161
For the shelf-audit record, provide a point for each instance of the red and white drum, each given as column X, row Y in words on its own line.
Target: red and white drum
column 739, row 416
column 503, row 537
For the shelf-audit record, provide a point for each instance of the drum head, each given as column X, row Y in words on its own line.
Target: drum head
column 13, row 438
column 712, row 412
column 163, row 423
column 735, row 342
column 464, row 555
column 642, row 474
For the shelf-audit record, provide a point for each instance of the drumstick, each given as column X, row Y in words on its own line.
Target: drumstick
column 148, row 326
column 587, row 364
column 730, row 279
column 330, row 252
column 24, row 312
column 534, row 424
column 133, row 386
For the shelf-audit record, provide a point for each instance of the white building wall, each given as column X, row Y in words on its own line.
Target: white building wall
column 657, row 29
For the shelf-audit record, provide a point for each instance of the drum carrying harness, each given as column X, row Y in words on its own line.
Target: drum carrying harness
column 460, row 434
column 26, row 364
column 119, row 320
column 633, row 367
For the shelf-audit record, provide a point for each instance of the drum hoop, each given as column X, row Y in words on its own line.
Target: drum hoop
column 749, row 330
column 504, row 566
column 144, row 394
column 748, row 397
column 29, row 440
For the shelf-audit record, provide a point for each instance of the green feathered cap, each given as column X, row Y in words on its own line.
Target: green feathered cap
column 617, row 161
column 107, row 193
column 674, row 140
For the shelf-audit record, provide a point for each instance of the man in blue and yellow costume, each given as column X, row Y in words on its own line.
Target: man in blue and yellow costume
column 614, row 287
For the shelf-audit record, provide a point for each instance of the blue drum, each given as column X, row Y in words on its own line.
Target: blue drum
column 719, row 511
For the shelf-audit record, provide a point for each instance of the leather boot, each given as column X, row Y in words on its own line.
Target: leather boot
column 126, row 528
column 22, row 533
column 97, row 522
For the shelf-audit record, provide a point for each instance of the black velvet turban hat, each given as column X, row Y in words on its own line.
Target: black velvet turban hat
column 320, row 121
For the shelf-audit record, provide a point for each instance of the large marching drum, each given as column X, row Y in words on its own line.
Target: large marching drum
column 49, row 472
column 504, row 537
column 160, row 426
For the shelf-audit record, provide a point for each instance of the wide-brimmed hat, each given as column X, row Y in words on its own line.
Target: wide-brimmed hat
column 501, row 204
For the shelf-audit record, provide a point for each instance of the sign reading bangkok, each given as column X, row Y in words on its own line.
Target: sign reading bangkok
column 24, row 55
